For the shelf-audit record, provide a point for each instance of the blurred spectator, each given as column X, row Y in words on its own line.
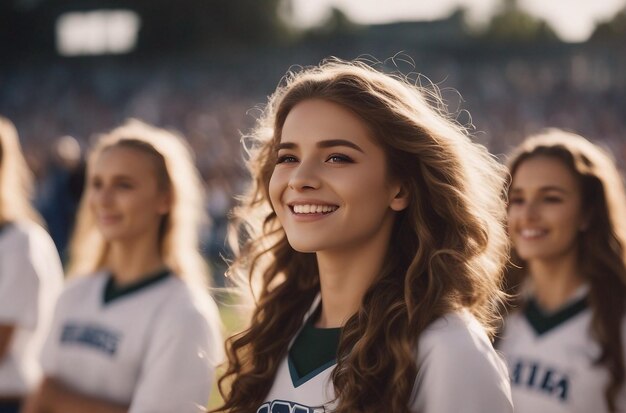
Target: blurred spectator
column 60, row 190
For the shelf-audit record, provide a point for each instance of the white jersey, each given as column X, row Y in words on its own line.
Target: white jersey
column 551, row 360
column 459, row 372
column 31, row 278
column 154, row 350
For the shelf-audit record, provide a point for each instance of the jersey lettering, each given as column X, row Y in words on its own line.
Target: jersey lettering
column 92, row 336
column 281, row 406
column 533, row 375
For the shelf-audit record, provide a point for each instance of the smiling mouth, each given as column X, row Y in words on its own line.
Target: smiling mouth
column 310, row 209
column 532, row 233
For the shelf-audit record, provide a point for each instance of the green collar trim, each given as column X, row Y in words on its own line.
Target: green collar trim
column 296, row 380
column 542, row 322
column 112, row 292
column 313, row 350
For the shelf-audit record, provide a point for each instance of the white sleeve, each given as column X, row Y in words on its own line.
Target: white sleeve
column 19, row 281
column 459, row 372
column 179, row 365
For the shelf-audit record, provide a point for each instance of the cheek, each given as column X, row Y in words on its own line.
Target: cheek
column 275, row 189
column 511, row 217
column 568, row 221
column 141, row 204
column 90, row 200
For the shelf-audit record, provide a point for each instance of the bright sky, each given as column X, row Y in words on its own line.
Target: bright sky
column 573, row 20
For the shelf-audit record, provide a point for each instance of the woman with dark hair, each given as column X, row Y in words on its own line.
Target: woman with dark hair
column 373, row 239
column 565, row 341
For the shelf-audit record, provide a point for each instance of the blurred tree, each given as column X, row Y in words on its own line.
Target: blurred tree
column 513, row 25
column 336, row 23
column 612, row 30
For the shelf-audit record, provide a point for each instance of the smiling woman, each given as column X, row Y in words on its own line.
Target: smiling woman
column 566, row 342
column 373, row 236
column 139, row 332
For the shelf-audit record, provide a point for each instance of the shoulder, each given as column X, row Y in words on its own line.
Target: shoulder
column 455, row 356
column 192, row 313
column 184, row 302
column 23, row 233
column 28, row 252
column 79, row 286
column 457, row 333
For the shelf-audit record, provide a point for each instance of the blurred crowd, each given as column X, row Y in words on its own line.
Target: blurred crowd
column 59, row 106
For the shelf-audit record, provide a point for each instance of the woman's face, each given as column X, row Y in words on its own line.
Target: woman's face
column 124, row 195
column 545, row 212
column 330, row 188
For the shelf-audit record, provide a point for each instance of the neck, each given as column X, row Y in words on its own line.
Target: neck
column 555, row 281
column 345, row 277
column 132, row 261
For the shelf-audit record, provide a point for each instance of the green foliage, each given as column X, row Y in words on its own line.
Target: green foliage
column 513, row 25
column 614, row 29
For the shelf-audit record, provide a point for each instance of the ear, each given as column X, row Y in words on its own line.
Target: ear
column 401, row 199
column 164, row 203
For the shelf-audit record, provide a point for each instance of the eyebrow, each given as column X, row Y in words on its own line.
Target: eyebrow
column 544, row 189
column 330, row 143
column 115, row 177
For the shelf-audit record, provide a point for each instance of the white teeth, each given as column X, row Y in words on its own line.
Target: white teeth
column 532, row 233
column 313, row 209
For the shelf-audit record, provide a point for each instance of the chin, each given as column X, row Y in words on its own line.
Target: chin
column 304, row 246
column 111, row 236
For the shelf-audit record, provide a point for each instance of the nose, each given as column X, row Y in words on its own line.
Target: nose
column 531, row 211
column 102, row 196
column 305, row 177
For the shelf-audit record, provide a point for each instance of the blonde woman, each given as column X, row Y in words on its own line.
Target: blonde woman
column 138, row 331
column 566, row 340
column 375, row 230
column 30, row 276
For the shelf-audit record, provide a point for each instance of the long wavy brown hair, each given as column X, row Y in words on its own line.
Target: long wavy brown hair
column 601, row 247
column 447, row 249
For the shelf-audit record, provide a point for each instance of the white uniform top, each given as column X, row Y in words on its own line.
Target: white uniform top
column 31, row 278
column 552, row 363
column 154, row 349
column 459, row 372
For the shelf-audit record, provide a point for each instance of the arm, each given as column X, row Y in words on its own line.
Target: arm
column 31, row 278
column 19, row 289
column 53, row 397
column 6, row 332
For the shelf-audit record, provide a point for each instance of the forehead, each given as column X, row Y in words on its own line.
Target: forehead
column 316, row 119
column 543, row 171
column 121, row 160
